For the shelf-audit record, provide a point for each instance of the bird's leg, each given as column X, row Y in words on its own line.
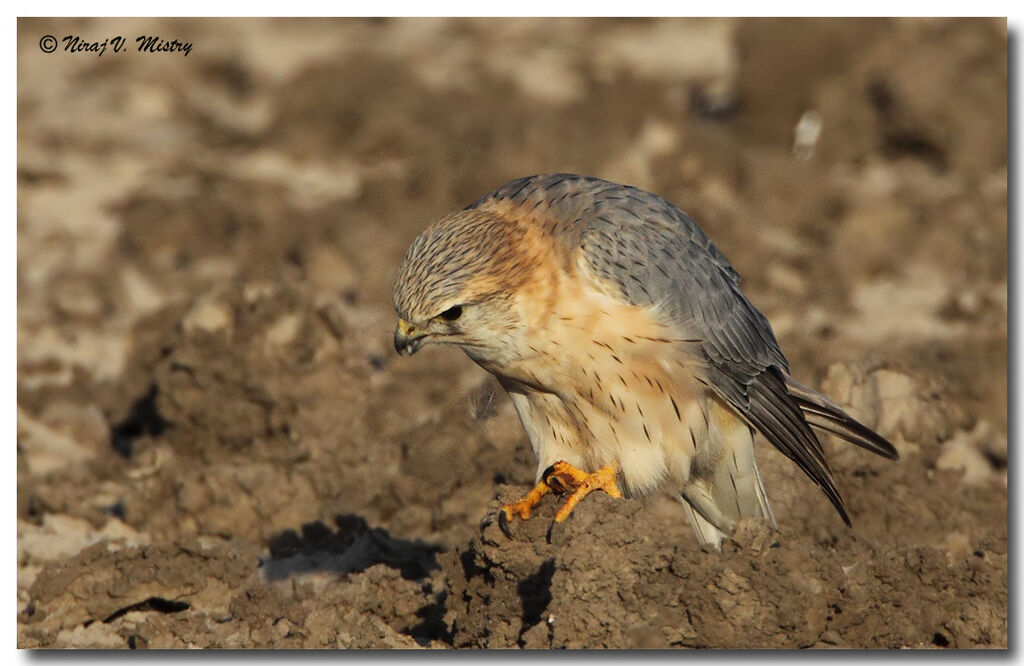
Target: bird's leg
column 563, row 477
column 602, row 479
column 560, row 478
column 523, row 507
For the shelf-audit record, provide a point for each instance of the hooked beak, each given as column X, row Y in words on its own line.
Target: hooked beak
column 408, row 338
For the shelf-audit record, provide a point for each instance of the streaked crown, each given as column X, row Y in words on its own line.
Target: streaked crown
column 454, row 261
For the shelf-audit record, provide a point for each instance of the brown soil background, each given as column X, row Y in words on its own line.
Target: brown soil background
column 218, row 448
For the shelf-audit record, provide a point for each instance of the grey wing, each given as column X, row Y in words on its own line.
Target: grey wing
column 655, row 254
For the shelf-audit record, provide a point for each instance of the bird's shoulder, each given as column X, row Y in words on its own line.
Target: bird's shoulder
column 606, row 221
column 646, row 252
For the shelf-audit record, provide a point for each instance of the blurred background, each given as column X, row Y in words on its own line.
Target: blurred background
column 206, row 247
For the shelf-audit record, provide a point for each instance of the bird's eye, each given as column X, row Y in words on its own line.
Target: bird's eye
column 452, row 313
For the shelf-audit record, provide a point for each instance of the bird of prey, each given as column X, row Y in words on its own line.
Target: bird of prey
column 620, row 332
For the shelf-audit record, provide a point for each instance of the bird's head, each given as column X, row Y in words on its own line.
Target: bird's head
column 457, row 285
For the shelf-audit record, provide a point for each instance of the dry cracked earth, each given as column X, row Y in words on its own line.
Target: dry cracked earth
column 216, row 446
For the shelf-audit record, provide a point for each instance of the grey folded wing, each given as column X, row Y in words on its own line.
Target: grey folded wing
column 650, row 252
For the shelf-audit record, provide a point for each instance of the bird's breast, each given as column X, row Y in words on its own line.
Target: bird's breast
column 605, row 382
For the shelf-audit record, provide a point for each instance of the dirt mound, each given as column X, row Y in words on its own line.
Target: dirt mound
column 617, row 576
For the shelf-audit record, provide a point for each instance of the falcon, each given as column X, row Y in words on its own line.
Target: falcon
column 633, row 359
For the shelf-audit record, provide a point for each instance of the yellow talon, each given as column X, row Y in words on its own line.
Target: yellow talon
column 523, row 507
column 602, row 479
column 560, row 478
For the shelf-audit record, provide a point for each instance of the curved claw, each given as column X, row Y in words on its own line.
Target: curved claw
column 503, row 524
column 498, row 516
column 486, row 522
column 551, row 531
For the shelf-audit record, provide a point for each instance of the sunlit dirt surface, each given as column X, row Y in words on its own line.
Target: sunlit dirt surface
column 217, row 446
